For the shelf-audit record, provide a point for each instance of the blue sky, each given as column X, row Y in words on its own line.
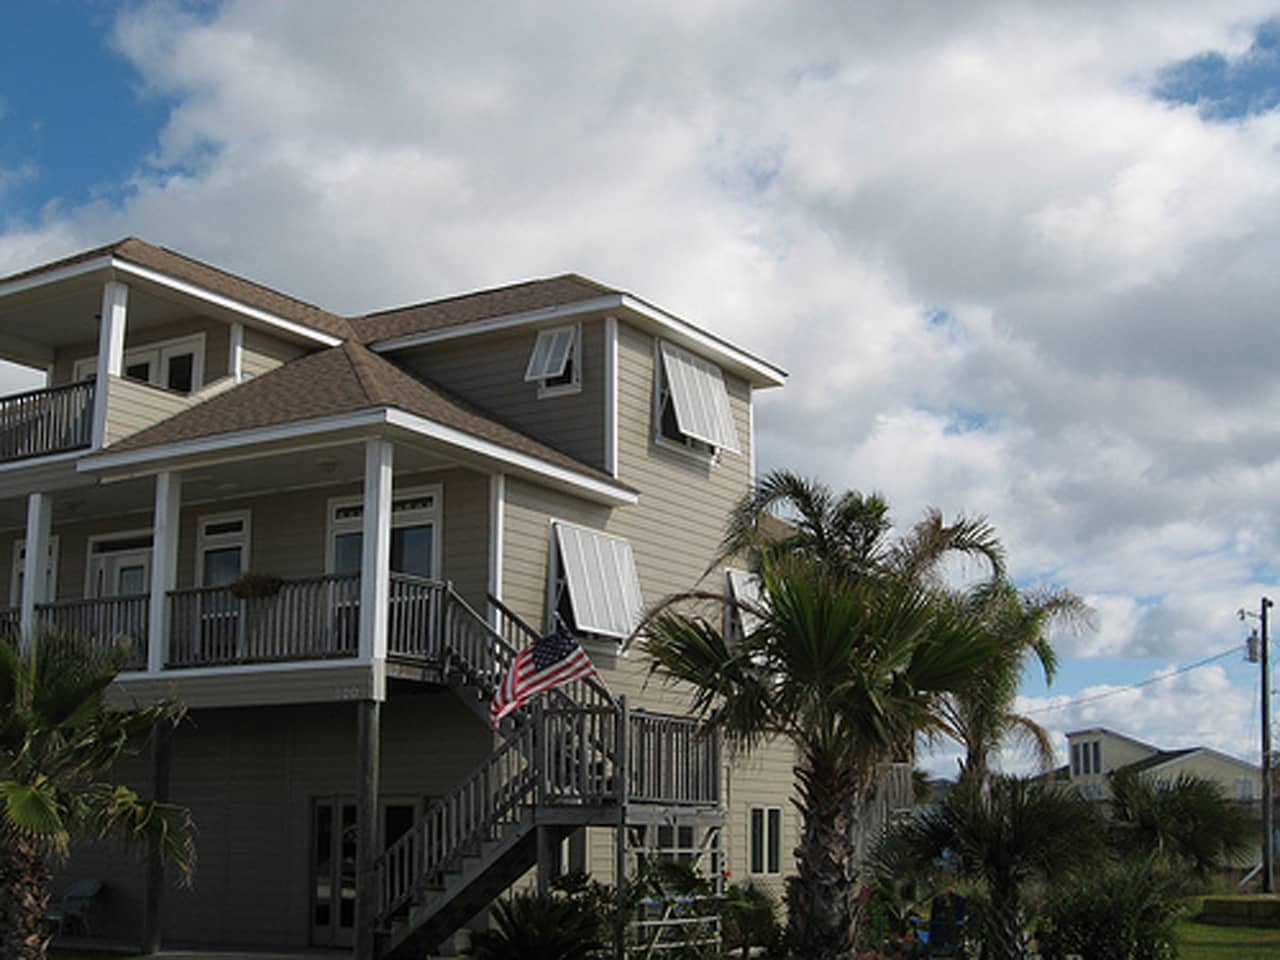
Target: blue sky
column 1019, row 260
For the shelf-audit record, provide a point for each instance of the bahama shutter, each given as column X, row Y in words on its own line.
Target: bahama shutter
column 700, row 399
column 550, row 353
column 600, row 572
column 744, row 587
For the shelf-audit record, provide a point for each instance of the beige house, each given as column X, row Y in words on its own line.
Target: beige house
column 1095, row 753
column 327, row 536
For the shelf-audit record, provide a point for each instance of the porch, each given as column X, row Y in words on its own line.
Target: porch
column 42, row 422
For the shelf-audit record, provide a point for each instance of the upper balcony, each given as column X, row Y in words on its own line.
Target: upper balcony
column 42, row 422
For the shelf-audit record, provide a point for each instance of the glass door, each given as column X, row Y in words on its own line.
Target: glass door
column 333, row 872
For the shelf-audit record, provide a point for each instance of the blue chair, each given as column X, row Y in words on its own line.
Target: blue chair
column 942, row 935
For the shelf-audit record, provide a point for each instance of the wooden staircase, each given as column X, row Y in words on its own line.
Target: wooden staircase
column 574, row 757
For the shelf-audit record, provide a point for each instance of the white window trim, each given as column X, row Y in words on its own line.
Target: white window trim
column 158, row 353
column 407, row 518
column 241, row 538
column 573, row 357
column 554, row 572
column 765, row 871
column 96, row 538
column 19, row 547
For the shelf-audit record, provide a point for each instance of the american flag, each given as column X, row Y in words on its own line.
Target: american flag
column 545, row 664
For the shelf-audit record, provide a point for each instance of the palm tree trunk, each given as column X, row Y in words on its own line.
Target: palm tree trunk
column 823, row 901
column 1004, row 929
column 24, row 898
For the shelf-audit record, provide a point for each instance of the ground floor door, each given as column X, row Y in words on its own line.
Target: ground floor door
column 334, row 866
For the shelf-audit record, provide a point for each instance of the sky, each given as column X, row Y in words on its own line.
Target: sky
column 1021, row 260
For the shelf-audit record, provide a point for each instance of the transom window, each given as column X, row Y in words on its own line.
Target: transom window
column 594, row 585
column 555, row 363
column 415, row 546
column 691, row 405
column 174, row 364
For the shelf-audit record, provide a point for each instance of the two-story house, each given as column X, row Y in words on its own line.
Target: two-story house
column 327, row 535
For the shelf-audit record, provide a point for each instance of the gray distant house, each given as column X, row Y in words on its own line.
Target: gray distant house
column 327, row 535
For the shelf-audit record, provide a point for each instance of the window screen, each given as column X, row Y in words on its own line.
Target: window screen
column 600, row 574
column 700, row 400
column 551, row 352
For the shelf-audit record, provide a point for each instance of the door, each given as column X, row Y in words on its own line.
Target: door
column 334, row 864
column 120, row 569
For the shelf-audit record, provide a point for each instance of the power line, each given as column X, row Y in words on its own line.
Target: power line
column 1135, row 686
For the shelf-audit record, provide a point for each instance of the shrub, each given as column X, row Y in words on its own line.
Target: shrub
column 747, row 919
column 533, row 927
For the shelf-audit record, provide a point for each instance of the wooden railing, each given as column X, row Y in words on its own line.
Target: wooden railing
column 578, row 754
column 46, row 421
column 474, row 811
column 315, row 618
column 10, row 620
column 672, row 760
column 120, row 622
column 415, row 616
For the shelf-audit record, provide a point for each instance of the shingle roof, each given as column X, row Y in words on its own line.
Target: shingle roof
column 497, row 302
column 342, row 379
column 1156, row 759
column 211, row 278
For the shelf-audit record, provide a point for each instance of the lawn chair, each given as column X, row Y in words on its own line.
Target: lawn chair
column 942, row 935
column 74, row 905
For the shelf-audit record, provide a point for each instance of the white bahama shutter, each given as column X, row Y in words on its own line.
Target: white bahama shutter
column 700, row 399
column 550, row 353
column 604, row 588
column 744, row 587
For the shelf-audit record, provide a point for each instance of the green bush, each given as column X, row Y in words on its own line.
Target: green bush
column 1125, row 911
column 533, row 927
column 747, row 919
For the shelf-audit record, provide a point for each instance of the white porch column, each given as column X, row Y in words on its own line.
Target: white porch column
column 115, row 307
column 164, row 566
column 235, row 356
column 36, row 563
column 375, row 560
column 497, row 520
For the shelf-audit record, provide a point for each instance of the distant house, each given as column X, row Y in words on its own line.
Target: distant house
column 1096, row 752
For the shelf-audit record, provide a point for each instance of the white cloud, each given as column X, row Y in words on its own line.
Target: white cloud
column 815, row 182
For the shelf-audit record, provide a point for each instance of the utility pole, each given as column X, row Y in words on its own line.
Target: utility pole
column 1268, row 817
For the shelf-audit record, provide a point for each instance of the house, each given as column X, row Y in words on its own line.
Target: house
column 1096, row 752
column 327, row 535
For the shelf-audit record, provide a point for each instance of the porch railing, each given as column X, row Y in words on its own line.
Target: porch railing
column 315, row 618
column 104, row 621
column 672, row 760
column 10, row 620
column 46, row 421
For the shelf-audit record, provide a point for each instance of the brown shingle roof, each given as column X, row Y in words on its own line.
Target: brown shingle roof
column 342, row 379
column 211, row 278
column 498, row 302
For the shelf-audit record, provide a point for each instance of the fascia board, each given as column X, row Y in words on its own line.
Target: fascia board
column 590, row 486
column 761, row 372
column 227, row 303
column 69, row 272
column 146, row 459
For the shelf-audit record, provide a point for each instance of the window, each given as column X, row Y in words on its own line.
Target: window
column 19, row 565
column 743, row 587
column 1075, row 760
column 1097, row 756
column 174, row 364
column 555, row 363
column 1085, row 767
column 415, row 547
column 119, row 564
column 595, row 587
column 766, row 839
column 691, row 405
column 1244, row 788
column 222, row 549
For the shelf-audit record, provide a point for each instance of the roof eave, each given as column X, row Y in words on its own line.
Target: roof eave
column 146, row 461
column 756, row 370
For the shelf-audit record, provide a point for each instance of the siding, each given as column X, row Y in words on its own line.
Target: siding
column 489, row 372
column 217, row 346
column 250, row 778
column 262, row 353
column 133, row 406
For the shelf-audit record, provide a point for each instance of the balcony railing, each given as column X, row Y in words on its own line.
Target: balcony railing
column 118, row 622
column 316, row 618
column 672, row 759
column 46, row 421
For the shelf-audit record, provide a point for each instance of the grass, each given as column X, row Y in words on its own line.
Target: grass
column 1200, row 941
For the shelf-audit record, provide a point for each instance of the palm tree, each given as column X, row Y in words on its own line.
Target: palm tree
column 849, row 669
column 981, row 716
column 1188, row 821
column 58, row 738
column 1004, row 834
column 850, row 534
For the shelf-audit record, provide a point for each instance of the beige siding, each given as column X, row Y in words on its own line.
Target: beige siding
column 217, row 346
column 133, row 406
column 250, row 779
column 489, row 372
column 262, row 353
column 1222, row 770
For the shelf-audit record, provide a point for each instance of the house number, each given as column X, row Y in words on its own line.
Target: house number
column 350, row 693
